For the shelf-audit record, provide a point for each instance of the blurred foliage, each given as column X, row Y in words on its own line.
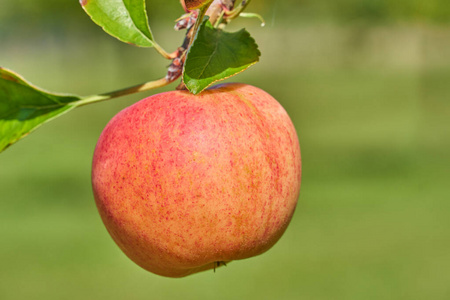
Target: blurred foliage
column 377, row 10
column 57, row 14
column 372, row 110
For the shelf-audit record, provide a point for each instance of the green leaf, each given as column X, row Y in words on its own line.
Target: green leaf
column 24, row 107
column 125, row 20
column 216, row 55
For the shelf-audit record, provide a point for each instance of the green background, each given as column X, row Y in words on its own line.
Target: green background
column 366, row 84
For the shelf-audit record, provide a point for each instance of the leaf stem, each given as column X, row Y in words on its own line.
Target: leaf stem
column 163, row 52
column 237, row 11
column 126, row 91
column 253, row 15
column 201, row 15
column 219, row 19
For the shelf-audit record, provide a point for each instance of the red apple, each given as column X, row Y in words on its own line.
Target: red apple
column 185, row 183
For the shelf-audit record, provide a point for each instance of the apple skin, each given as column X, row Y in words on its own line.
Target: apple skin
column 186, row 182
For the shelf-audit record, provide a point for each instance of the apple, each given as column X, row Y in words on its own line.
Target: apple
column 185, row 183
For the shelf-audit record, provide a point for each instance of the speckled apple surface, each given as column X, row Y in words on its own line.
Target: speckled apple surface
column 184, row 181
